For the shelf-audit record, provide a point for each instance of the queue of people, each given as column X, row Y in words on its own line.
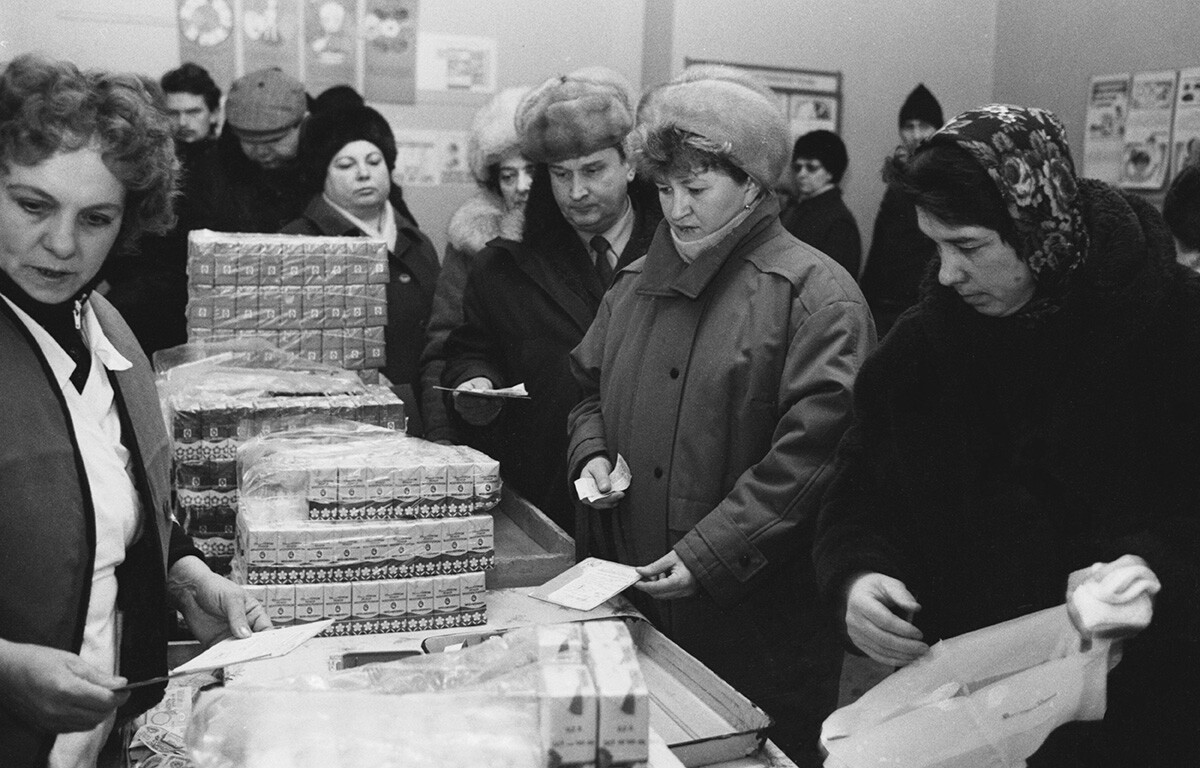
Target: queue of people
column 815, row 467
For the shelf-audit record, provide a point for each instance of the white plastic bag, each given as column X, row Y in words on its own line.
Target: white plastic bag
column 986, row 699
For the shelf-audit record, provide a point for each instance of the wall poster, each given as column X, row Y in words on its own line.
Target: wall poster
column 369, row 45
column 1104, row 137
column 1147, row 153
column 456, row 63
column 1186, row 131
column 427, row 158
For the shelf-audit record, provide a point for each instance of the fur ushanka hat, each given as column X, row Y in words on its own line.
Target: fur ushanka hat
column 494, row 132
column 734, row 111
column 576, row 114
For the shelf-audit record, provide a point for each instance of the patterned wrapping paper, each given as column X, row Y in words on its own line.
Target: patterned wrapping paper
column 323, row 298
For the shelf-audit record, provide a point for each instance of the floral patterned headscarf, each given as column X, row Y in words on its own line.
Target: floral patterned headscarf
column 1024, row 150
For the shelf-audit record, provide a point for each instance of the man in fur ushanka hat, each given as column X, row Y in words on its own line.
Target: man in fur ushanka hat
column 530, row 296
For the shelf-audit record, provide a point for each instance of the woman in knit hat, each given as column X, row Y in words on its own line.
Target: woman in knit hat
column 1031, row 423
column 817, row 215
column 720, row 368
column 497, row 209
column 348, row 156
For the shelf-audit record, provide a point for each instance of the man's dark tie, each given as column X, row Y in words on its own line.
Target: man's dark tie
column 604, row 270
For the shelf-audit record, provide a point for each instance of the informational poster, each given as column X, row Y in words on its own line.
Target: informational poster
column 811, row 112
column 389, row 38
column 270, row 35
column 1147, row 154
column 1104, row 139
column 426, row 158
column 456, row 63
column 1187, row 122
column 330, row 55
column 206, row 37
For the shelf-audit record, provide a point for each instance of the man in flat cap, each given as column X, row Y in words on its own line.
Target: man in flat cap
column 528, row 303
column 252, row 183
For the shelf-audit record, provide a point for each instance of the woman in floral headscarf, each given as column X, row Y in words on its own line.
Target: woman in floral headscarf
column 1034, row 414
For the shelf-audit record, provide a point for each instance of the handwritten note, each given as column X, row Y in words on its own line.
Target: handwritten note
column 587, row 584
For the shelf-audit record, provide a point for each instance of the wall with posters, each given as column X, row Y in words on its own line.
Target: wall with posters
column 883, row 48
column 1076, row 41
column 499, row 43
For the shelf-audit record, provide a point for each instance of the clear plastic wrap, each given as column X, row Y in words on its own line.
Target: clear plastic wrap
column 217, row 394
column 238, row 728
column 358, row 475
column 532, row 696
column 321, row 298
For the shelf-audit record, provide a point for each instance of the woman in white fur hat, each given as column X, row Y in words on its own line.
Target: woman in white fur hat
column 497, row 209
column 720, row 367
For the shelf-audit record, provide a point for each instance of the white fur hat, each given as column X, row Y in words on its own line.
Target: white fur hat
column 494, row 131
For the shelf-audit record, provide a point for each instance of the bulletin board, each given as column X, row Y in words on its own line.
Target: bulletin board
column 1142, row 128
column 811, row 99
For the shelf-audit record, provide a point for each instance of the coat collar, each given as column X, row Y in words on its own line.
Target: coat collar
column 666, row 273
column 331, row 222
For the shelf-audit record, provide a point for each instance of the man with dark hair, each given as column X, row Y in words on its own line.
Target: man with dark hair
column 527, row 304
column 899, row 251
column 1181, row 209
column 193, row 102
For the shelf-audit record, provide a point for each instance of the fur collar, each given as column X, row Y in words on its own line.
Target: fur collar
column 482, row 218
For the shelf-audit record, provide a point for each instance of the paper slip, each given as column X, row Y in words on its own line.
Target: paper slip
column 261, row 645
column 587, row 584
column 585, row 486
column 515, row 392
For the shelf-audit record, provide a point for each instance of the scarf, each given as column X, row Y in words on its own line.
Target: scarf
column 1025, row 152
column 690, row 250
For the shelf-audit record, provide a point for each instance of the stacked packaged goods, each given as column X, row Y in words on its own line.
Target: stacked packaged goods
column 321, row 298
column 216, row 396
column 371, row 527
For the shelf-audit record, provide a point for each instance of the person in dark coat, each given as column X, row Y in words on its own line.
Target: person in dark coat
column 899, row 250
column 503, row 177
column 250, row 182
column 90, row 556
column 1034, row 415
column 1181, row 209
column 528, row 303
column 817, row 215
column 347, row 157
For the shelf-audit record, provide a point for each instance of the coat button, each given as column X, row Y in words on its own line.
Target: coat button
column 674, row 373
column 744, row 560
column 657, row 473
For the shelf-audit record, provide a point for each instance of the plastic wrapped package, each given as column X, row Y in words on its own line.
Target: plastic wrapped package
column 320, row 298
column 217, row 394
column 359, row 475
column 240, row 727
column 509, row 700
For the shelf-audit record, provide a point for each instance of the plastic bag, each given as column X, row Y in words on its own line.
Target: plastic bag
column 985, row 699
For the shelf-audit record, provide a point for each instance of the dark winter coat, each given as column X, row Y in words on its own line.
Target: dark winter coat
column 825, row 223
column 47, row 536
column 235, row 194
column 891, row 279
column 481, row 219
column 990, row 458
column 726, row 384
column 413, row 274
column 525, row 307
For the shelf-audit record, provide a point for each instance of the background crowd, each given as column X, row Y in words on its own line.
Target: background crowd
column 827, row 453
